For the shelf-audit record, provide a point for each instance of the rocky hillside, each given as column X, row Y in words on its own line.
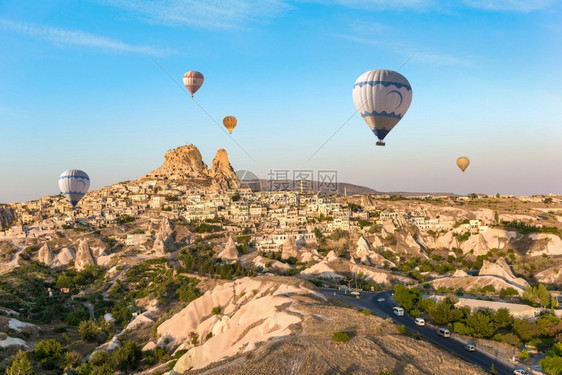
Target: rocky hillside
column 270, row 323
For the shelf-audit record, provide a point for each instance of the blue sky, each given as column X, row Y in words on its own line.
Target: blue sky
column 79, row 89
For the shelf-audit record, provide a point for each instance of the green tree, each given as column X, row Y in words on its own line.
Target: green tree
column 63, row 281
column 440, row 312
column 524, row 355
column 72, row 359
column 128, row 356
column 525, row 330
column 543, row 295
column 88, row 330
column 20, row 365
column 480, row 322
column 408, row 298
column 48, row 352
column 502, row 319
column 552, row 363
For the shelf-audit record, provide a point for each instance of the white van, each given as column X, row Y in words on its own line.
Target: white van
column 419, row 322
column 444, row 332
column 398, row 311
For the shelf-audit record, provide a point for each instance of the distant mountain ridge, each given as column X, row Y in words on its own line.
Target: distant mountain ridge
column 325, row 187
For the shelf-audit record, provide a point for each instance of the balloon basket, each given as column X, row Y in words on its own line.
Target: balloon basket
column 380, row 143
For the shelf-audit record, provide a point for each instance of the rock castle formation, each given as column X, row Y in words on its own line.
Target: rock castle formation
column 185, row 163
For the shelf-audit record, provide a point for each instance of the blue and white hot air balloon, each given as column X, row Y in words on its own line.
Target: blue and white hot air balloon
column 73, row 184
column 382, row 97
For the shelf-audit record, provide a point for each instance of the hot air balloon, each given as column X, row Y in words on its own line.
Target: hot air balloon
column 463, row 162
column 382, row 97
column 73, row 184
column 193, row 81
column 229, row 123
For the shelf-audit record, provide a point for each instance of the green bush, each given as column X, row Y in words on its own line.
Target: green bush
column 365, row 312
column 340, row 336
column 216, row 310
column 401, row 328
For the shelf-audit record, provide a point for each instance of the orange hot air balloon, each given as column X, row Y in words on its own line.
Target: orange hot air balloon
column 193, row 81
column 463, row 162
column 229, row 123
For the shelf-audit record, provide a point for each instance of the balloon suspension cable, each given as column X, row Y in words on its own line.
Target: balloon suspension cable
column 350, row 117
column 182, row 88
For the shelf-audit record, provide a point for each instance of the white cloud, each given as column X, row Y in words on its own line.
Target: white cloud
column 210, row 14
column 65, row 37
column 510, row 5
column 415, row 54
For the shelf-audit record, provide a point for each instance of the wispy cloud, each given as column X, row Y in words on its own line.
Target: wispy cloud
column 209, row 14
column 418, row 55
column 436, row 5
column 385, row 4
column 510, row 5
column 63, row 37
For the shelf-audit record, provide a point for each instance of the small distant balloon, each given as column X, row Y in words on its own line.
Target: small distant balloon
column 463, row 162
column 382, row 97
column 193, row 81
column 73, row 184
column 230, row 123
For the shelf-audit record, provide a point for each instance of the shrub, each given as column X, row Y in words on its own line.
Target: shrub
column 365, row 312
column 88, row 330
column 401, row 328
column 20, row 365
column 340, row 336
column 216, row 310
column 524, row 355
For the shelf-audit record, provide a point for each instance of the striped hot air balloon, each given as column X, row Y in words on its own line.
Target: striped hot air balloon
column 193, row 81
column 463, row 162
column 73, row 184
column 229, row 123
column 382, row 97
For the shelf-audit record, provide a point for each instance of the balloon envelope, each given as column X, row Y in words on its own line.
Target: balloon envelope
column 229, row 123
column 463, row 162
column 73, row 184
column 193, row 81
column 382, row 97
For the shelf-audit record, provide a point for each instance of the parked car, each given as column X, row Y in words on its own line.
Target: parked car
column 470, row 347
column 520, row 372
column 419, row 322
column 381, row 299
column 444, row 332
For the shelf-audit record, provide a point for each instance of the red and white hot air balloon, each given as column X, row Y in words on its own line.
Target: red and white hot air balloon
column 193, row 81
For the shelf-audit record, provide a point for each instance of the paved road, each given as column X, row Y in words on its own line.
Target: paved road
column 384, row 309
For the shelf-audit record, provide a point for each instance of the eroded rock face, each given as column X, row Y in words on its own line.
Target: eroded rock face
column 181, row 162
column 230, row 251
column 289, row 248
column 502, row 270
column 7, row 217
column 165, row 237
column 251, row 311
column 46, row 255
column 223, row 173
column 84, row 256
column 185, row 163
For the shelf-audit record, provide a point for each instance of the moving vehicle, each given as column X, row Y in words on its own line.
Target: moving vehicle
column 398, row 311
column 520, row 372
column 419, row 322
column 470, row 347
column 381, row 299
column 444, row 332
